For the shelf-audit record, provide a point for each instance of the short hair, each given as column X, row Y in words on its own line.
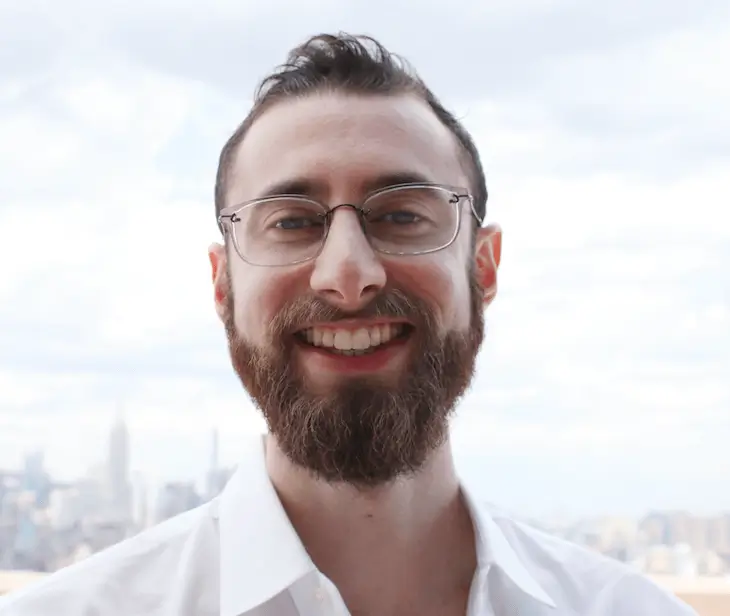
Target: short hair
column 353, row 64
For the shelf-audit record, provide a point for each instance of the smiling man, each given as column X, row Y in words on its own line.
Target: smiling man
column 351, row 282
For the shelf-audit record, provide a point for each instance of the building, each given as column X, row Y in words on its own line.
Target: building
column 176, row 497
column 118, row 476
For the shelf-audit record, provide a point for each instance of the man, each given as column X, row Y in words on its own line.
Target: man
column 351, row 284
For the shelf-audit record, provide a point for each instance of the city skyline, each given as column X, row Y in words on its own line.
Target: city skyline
column 46, row 525
column 524, row 501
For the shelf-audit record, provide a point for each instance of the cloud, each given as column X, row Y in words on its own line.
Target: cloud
column 232, row 44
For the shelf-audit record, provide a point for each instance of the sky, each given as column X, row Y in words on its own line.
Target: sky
column 604, row 381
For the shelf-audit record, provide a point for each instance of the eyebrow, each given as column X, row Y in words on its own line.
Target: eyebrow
column 394, row 179
column 307, row 187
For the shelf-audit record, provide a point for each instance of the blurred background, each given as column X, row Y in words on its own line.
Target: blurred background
column 601, row 410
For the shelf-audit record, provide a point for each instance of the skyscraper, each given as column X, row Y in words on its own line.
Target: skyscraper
column 118, row 469
column 216, row 477
column 214, row 461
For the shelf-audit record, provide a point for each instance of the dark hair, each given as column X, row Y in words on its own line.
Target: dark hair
column 352, row 64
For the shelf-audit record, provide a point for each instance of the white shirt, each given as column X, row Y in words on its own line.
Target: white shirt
column 239, row 555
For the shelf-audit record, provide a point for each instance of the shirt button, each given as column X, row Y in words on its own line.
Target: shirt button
column 320, row 594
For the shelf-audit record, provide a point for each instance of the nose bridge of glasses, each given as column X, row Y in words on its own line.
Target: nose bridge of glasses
column 341, row 218
column 359, row 211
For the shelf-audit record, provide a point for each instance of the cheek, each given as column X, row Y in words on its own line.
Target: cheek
column 441, row 283
column 259, row 295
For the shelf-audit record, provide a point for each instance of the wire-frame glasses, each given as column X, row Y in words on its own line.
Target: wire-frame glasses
column 402, row 220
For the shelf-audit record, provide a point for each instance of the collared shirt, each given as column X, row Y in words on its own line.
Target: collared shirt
column 239, row 555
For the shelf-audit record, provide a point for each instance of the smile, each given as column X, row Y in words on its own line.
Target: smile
column 354, row 341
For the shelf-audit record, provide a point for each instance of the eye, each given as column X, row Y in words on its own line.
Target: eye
column 295, row 223
column 400, row 217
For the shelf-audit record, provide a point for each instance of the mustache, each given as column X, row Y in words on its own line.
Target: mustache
column 393, row 304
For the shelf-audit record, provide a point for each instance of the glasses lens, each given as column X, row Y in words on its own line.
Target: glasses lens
column 279, row 231
column 410, row 220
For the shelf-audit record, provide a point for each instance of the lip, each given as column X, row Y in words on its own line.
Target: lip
column 349, row 364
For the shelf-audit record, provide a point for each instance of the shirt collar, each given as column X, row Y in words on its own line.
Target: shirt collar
column 494, row 550
column 261, row 554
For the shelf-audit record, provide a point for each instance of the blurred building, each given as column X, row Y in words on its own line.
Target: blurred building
column 216, row 477
column 175, row 498
column 119, row 488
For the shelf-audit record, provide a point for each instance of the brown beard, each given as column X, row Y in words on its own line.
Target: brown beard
column 365, row 432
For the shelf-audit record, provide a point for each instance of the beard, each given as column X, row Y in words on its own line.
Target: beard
column 365, row 431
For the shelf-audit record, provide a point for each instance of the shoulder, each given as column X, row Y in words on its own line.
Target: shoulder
column 131, row 577
column 582, row 579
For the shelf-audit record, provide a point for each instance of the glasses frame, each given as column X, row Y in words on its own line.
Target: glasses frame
column 230, row 215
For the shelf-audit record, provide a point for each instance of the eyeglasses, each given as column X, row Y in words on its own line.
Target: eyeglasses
column 402, row 220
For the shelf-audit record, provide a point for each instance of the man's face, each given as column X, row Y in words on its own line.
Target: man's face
column 369, row 416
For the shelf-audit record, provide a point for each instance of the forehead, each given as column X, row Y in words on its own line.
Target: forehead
column 342, row 144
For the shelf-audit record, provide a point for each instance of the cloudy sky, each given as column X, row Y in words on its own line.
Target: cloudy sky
column 604, row 384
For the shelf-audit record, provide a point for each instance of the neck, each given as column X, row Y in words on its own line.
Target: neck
column 413, row 539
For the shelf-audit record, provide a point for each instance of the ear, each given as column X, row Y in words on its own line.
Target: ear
column 221, row 284
column 487, row 255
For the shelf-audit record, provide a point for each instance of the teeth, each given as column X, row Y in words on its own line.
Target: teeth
column 352, row 342
column 361, row 339
column 343, row 340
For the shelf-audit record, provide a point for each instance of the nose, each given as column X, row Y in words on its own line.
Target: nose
column 347, row 273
